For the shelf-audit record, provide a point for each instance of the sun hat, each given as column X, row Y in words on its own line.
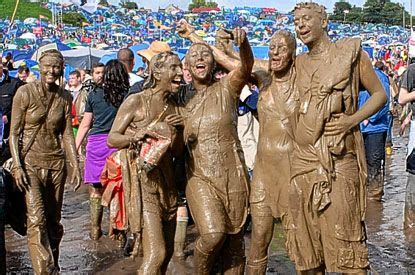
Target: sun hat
column 155, row 48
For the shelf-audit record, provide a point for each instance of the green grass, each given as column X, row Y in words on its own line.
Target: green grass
column 24, row 10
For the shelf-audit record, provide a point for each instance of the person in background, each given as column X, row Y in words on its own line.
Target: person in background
column 374, row 130
column 8, row 64
column 407, row 96
column 23, row 73
column 74, row 84
column 8, row 88
column 100, row 111
column 126, row 57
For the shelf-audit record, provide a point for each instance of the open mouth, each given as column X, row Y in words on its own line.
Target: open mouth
column 200, row 68
column 176, row 82
column 304, row 32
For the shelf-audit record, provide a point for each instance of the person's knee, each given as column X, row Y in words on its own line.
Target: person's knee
column 156, row 257
column 210, row 242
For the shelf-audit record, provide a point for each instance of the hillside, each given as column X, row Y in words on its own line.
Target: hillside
column 24, row 10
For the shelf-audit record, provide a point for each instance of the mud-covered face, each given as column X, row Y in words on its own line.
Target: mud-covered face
column 280, row 54
column 309, row 25
column 200, row 62
column 171, row 74
column 50, row 69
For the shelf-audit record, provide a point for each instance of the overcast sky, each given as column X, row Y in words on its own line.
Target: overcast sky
column 282, row 5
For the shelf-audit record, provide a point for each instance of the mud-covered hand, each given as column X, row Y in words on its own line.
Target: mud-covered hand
column 238, row 36
column 339, row 125
column 174, row 120
column 184, row 29
column 20, row 179
column 76, row 178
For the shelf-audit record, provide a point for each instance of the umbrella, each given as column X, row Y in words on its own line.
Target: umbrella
column 28, row 35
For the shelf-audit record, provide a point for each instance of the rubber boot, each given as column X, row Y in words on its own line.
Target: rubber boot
column 96, row 218
column 180, row 237
column 257, row 267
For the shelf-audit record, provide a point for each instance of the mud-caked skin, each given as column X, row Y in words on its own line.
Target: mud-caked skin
column 217, row 188
column 154, row 216
column 327, row 192
column 42, row 172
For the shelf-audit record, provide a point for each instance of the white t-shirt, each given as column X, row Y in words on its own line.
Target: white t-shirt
column 134, row 78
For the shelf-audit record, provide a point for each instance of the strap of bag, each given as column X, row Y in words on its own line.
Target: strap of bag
column 33, row 137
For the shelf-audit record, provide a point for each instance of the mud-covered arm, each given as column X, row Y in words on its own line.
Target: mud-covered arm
column 83, row 129
column 19, row 109
column 117, row 137
column 238, row 77
column 377, row 100
column 68, row 137
column 68, row 141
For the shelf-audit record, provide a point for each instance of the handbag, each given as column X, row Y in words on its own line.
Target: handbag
column 410, row 163
column 8, row 165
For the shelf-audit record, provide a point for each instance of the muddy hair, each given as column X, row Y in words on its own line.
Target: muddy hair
column 215, row 68
column 116, row 83
column 320, row 9
column 292, row 42
column 156, row 63
column 53, row 53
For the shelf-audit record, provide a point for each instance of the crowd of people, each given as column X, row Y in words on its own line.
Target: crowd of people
column 299, row 138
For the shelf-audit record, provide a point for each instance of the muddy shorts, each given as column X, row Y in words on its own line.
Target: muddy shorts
column 334, row 237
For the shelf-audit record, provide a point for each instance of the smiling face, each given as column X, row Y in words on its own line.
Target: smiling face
column 50, row 69
column 170, row 74
column 280, row 53
column 200, row 62
column 309, row 25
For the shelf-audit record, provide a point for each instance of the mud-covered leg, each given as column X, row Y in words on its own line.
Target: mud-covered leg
column 2, row 223
column 233, row 254
column 180, row 235
column 206, row 249
column 409, row 217
column 169, row 229
column 262, row 230
column 96, row 212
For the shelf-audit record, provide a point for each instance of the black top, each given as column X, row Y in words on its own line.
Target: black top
column 8, row 88
column 408, row 78
column 103, row 111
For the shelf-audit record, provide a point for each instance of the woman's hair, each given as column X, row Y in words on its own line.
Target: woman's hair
column 156, row 63
column 116, row 83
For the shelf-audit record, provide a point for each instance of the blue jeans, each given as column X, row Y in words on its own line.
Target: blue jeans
column 375, row 157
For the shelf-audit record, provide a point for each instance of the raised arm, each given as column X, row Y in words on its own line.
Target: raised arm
column 239, row 76
column 228, row 61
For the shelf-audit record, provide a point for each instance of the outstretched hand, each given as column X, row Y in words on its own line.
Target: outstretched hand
column 184, row 29
column 174, row 120
column 340, row 125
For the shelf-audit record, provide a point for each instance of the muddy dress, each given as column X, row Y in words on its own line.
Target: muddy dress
column 217, row 188
column 270, row 185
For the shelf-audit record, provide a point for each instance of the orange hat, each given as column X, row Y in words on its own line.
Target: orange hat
column 155, row 48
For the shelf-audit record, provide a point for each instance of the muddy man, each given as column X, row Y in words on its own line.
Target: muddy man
column 142, row 115
column 217, row 188
column 41, row 173
column 327, row 192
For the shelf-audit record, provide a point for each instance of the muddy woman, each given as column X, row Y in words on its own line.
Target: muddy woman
column 40, row 125
column 217, row 188
column 152, row 195
column 276, row 112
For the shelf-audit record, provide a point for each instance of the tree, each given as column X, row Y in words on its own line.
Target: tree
column 202, row 4
column 338, row 10
column 103, row 3
column 73, row 18
column 130, row 5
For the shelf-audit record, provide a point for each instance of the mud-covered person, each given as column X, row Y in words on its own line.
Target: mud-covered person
column 141, row 115
column 42, row 172
column 217, row 188
column 277, row 103
column 327, row 193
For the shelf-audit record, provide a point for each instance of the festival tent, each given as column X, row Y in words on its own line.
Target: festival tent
column 57, row 46
column 84, row 57
column 28, row 35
